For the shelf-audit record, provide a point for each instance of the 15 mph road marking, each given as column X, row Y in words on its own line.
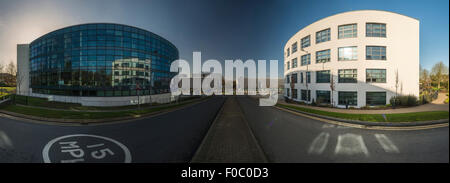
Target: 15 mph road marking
column 386, row 143
column 85, row 148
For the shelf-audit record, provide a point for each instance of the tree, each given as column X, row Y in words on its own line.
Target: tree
column 439, row 70
column 11, row 70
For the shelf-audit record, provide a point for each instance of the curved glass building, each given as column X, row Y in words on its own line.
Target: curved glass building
column 100, row 60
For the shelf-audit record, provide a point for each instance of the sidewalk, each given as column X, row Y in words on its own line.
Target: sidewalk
column 229, row 139
column 421, row 108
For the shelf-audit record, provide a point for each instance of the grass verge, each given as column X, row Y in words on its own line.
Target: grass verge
column 58, row 114
column 400, row 117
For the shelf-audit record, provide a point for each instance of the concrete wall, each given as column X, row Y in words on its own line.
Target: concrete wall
column 109, row 101
column 402, row 53
column 23, row 69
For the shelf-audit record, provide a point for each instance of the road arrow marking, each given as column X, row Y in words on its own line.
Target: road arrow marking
column 319, row 143
column 386, row 143
column 351, row 144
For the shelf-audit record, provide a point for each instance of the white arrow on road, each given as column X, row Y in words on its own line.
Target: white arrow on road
column 386, row 143
column 319, row 143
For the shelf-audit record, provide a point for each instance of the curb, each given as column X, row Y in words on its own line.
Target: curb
column 95, row 121
column 195, row 157
column 373, row 124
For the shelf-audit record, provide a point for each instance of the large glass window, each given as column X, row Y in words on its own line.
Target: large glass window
column 347, row 53
column 376, row 75
column 306, row 41
column 347, row 98
column 347, row 31
column 323, row 36
column 294, row 93
column 347, row 76
column 294, row 63
column 323, row 76
column 288, row 64
column 306, row 95
column 294, row 47
column 323, row 97
column 306, row 59
column 375, row 52
column 375, row 98
column 308, row 77
column 375, row 30
column 301, row 77
column 294, row 78
column 323, row 56
column 101, row 60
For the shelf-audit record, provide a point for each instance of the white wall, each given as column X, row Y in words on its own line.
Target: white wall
column 402, row 53
column 23, row 69
column 109, row 101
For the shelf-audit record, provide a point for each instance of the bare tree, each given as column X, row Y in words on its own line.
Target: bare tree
column 439, row 70
column 332, row 89
column 11, row 69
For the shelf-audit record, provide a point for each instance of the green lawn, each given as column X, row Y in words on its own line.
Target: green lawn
column 401, row 117
column 48, row 113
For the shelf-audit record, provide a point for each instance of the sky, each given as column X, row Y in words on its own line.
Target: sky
column 220, row 29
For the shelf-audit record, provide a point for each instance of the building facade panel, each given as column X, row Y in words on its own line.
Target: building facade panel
column 401, row 43
column 100, row 60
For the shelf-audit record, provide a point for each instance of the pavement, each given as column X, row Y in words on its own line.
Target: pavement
column 230, row 140
column 169, row 137
column 421, row 108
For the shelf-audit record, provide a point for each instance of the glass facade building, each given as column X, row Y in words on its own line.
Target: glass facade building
column 101, row 60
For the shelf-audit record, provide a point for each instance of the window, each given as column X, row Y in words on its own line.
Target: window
column 375, row 98
column 306, row 95
column 323, row 97
column 287, row 92
column 323, row 56
column 375, row 30
column 294, row 93
column 323, row 76
column 306, row 59
column 347, row 98
column 287, row 78
column 323, row 36
column 301, row 77
column 294, row 78
column 306, row 41
column 288, row 65
column 294, row 47
column 347, row 53
column 294, row 63
column 347, row 76
column 347, row 31
column 308, row 77
column 375, row 52
column 376, row 75
column 288, row 52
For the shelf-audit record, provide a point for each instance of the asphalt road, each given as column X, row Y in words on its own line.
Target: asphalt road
column 170, row 137
column 286, row 137
column 175, row 136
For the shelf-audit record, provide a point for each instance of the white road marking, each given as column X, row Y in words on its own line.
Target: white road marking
column 5, row 142
column 46, row 156
column 351, row 144
column 328, row 126
column 386, row 143
column 319, row 143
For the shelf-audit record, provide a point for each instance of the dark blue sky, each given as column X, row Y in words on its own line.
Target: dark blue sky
column 220, row 29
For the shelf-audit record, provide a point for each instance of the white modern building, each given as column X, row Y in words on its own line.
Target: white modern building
column 359, row 54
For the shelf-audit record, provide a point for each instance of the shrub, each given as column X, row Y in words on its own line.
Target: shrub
column 446, row 101
column 408, row 100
